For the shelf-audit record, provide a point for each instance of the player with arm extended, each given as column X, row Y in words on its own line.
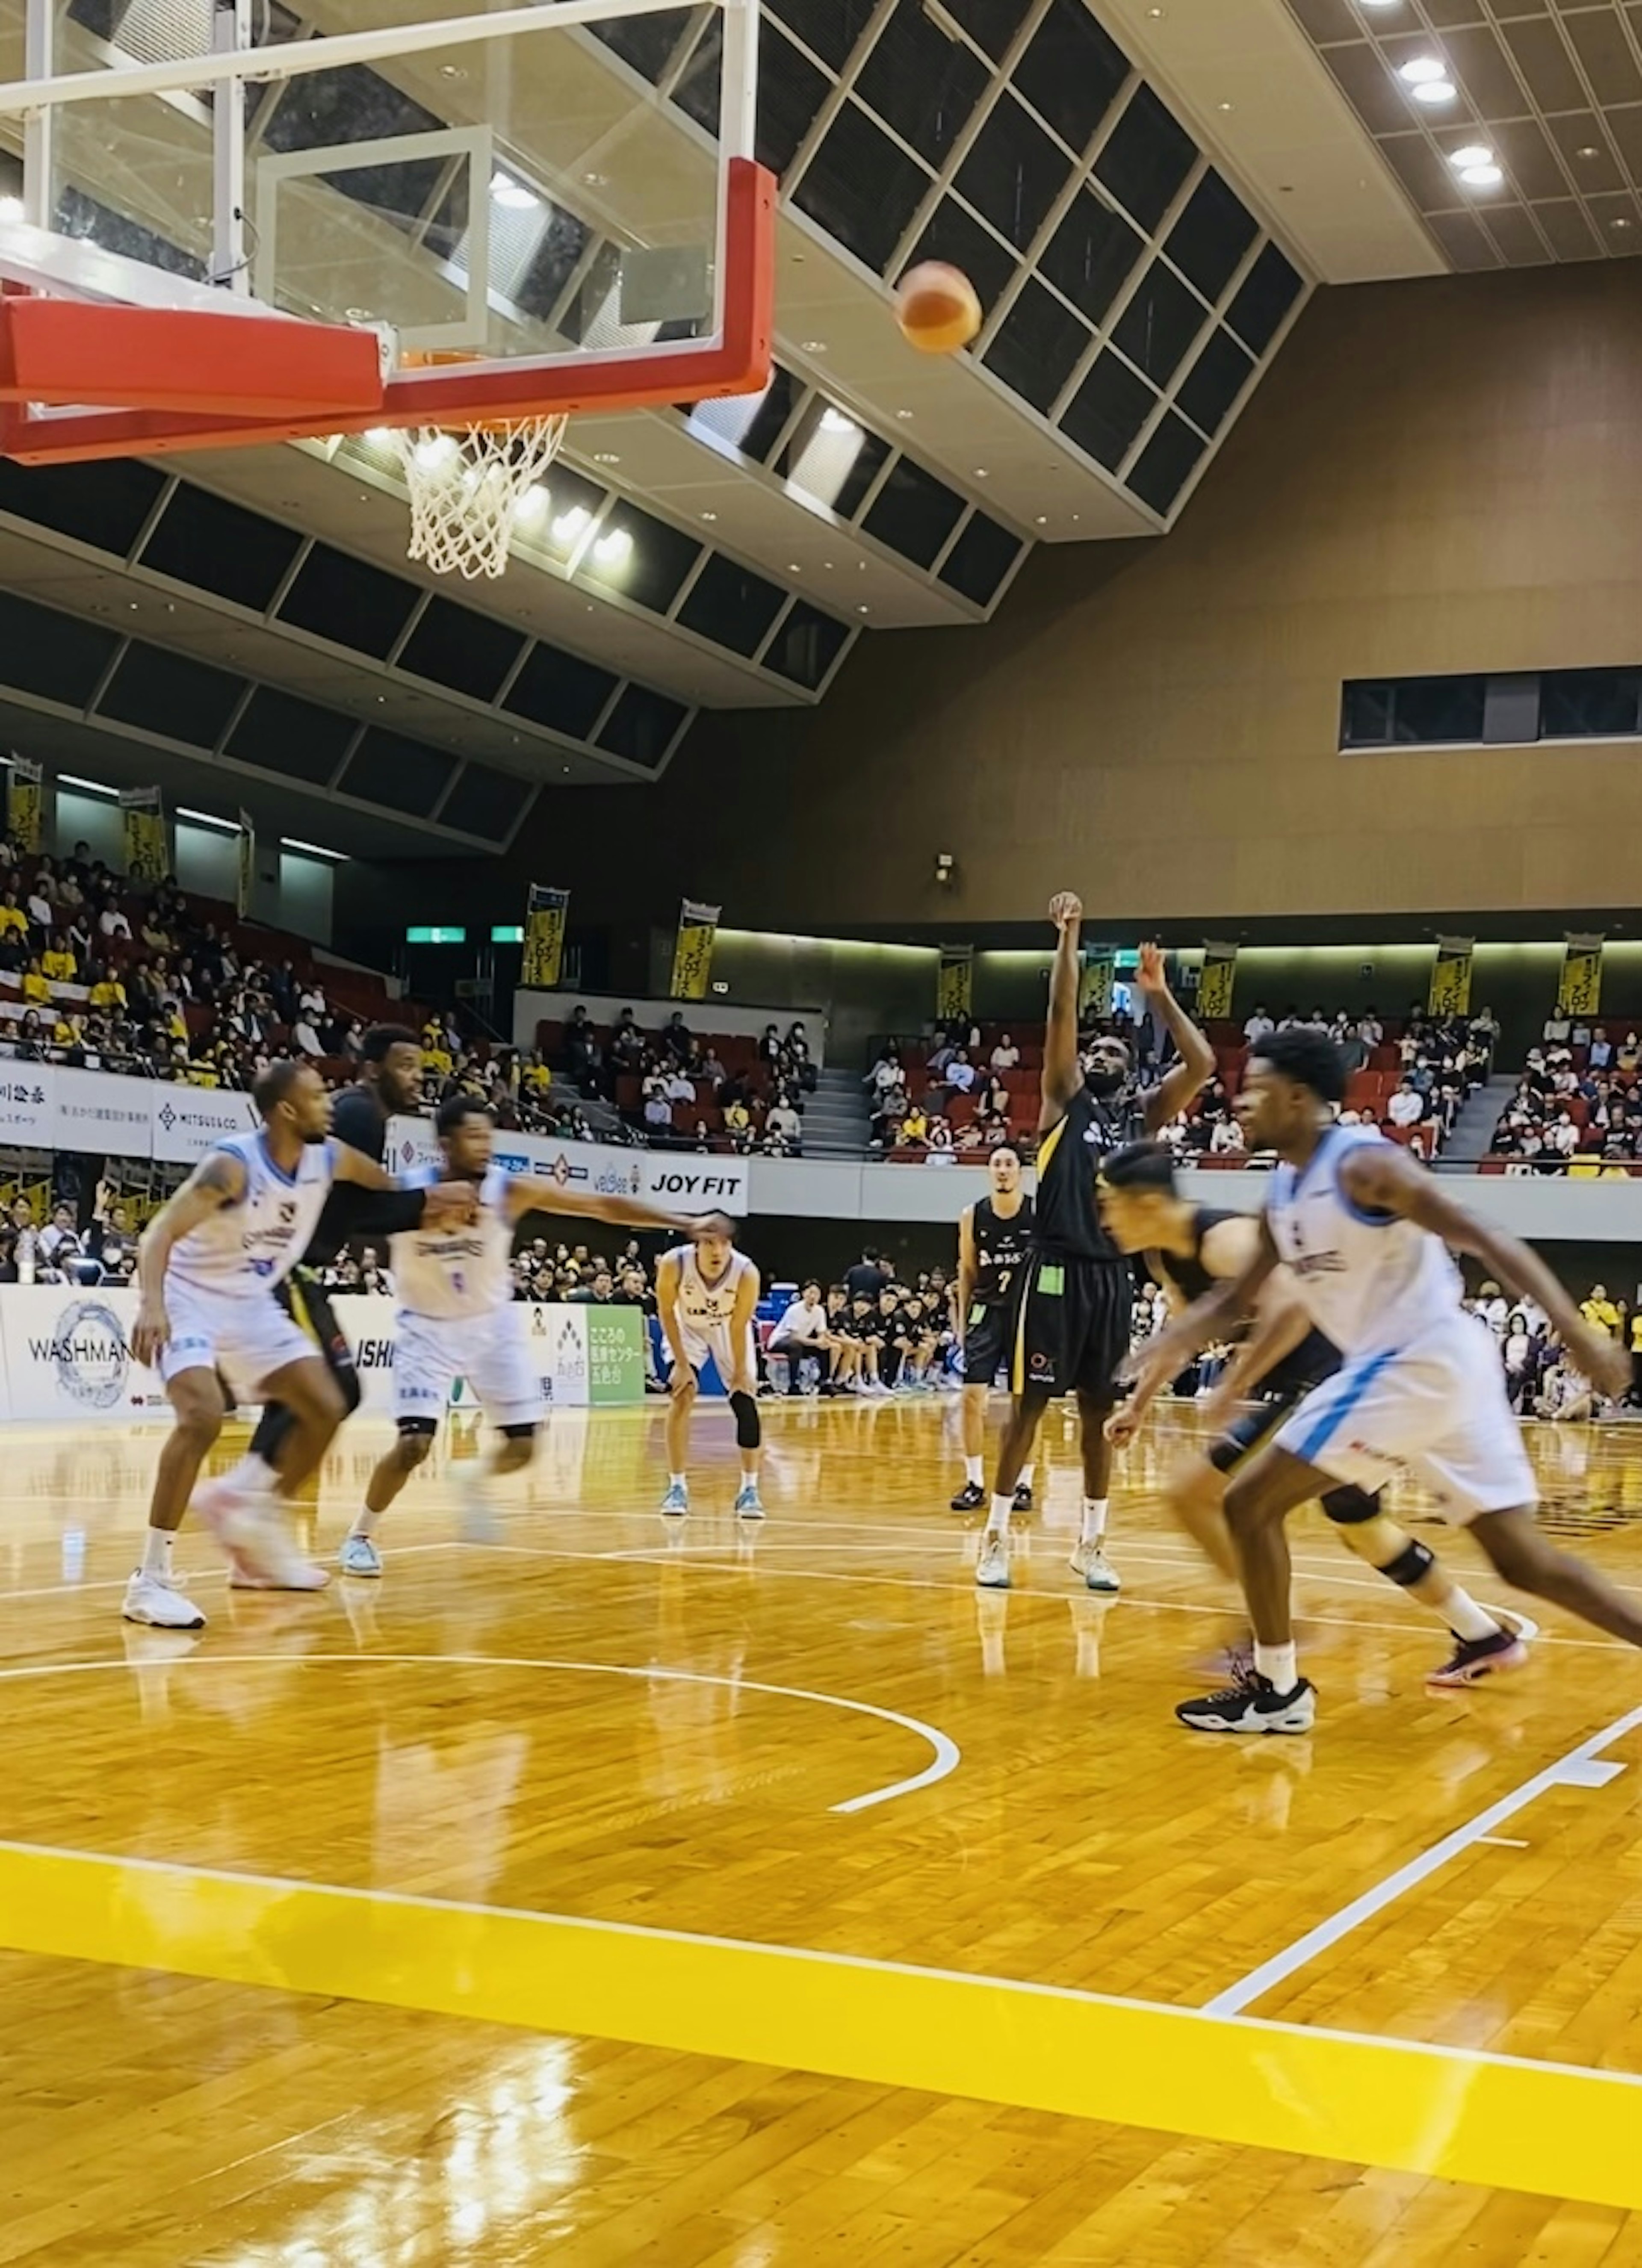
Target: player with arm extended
column 1189, row 1249
column 456, row 1317
column 1071, row 1321
column 209, row 1267
column 707, row 1294
column 994, row 1240
column 1420, row 1389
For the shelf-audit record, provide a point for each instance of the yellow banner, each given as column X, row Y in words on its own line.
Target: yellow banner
column 546, row 916
column 1581, row 990
column 143, row 825
column 1095, row 983
column 1214, row 986
column 955, row 982
column 248, row 865
column 692, row 955
column 1450, row 993
column 25, row 805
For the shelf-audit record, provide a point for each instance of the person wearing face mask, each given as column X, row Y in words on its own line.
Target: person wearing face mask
column 1071, row 1325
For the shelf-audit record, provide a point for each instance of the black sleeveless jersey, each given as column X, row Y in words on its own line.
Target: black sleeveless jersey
column 1069, row 1158
column 1000, row 1251
column 1184, row 1271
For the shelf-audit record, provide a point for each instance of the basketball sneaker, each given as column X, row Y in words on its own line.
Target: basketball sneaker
column 247, row 1524
column 992, row 1569
column 359, row 1556
column 1474, row 1658
column 970, row 1497
column 748, row 1505
column 1253, row 1704
column 149, row 1599
column 1023, row 1497
column 1089, row 1560
column 676, row 1502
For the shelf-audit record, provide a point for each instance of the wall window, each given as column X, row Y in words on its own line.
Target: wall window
column 1506, row 709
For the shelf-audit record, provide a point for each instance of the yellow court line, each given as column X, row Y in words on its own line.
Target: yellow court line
column 1499, row 2120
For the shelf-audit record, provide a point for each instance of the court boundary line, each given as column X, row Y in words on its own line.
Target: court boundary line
column 1501, row 2121
column 1572, row 1770
column 948, row 1757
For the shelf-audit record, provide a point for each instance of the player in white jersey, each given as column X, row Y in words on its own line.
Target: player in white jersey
column 1420, row 1390
column 707, row 1294
column 207, row 1268
column 456, row 1317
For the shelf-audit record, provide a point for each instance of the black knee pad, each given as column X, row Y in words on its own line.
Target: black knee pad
column 1351, row 1507
column 517, row 1433
column 1409, row 1566
column 748, row 1433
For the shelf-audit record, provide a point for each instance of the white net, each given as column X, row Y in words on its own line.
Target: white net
column 470, row 485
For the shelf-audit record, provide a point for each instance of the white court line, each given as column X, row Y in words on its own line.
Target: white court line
column 947, row 1753
column 1571, row 1771
column 206, row 1575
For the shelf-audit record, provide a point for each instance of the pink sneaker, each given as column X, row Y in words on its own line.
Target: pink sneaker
column 249, row 1526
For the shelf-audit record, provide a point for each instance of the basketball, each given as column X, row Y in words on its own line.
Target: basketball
column 937, row 308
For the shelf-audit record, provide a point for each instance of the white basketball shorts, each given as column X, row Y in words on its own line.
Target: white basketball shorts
column 715, row 1341
column 245, row 1335
column 487, row 1351
column 1434, row 1412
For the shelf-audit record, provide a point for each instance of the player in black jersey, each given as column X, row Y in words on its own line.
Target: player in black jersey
column 1071, row 1324
column 1189, row 1249
column 994, row 1240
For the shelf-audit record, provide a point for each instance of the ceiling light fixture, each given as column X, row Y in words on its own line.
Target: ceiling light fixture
column 1433, row 91
column 814, row 346
column 606, row 457
column 1420, row 69
column 512, row 195
column 709, row 515
column 1481, row 177
column 533, row 504
column 569, row 524
column 903, row 413
column 612, row 546
column 1587, row 150
column 1620, row 223
column 834, row 421
column 1475, row 153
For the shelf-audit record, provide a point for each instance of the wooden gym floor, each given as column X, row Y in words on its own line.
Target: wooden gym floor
column 771, row 1899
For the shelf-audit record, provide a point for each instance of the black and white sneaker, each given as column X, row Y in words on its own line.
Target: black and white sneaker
column 1253, row 1704
column 970, row 1497
column 1023, row 1498
column 1476, row 1658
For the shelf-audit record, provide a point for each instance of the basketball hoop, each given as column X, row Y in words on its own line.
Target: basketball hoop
column 467, row 485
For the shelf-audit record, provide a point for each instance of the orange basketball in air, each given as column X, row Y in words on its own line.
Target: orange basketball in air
column 937, row 308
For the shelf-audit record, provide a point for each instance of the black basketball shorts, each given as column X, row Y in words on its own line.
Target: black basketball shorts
column 986, row 1342
column 1072, row 1326
column 1281, row 1390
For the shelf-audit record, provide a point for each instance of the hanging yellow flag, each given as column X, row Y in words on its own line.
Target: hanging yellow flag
column 1581, row 990
column 692, row 955
column 143, row 825
column 1214, row 986
column 25, row 806
column 1450, row 993
column 955, row 982
column 547, row 914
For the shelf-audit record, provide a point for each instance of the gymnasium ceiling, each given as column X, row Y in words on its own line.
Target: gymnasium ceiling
column 1144, row 191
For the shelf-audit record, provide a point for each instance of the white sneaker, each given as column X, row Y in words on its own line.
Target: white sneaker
column 992, row 1571
column 252, row 1531
column 359, row 1556
column 149, row 1599
column 1098, row 1574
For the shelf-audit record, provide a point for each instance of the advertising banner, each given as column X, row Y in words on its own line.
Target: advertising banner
column 105, row 1113
column 28, row 1105
column 1095, row 979
column 615, row 1354
column 679, row 1180
column 25, row 801
column 188, row 1120
column 68, row 1356
column 143, row 828
column 692, row 955
column 546, row 917
column 1581, row 990
column 955, row 983
column 1214, row 986
column 1450, row 993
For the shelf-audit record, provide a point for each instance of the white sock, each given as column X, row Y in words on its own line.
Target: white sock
column 678, row 1480
column 749, row 1480
column 364, row 1523
column 1095, row 1511
column 1465, row 1618
column 997, row 1518
column 157, row 1546
column 975, row 1472
column 1023, row 1479
column 1277, row 1664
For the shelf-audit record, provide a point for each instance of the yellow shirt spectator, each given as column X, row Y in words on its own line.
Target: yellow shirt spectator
column 34, row 985
column 13, row 918
column 110, row 993
column 1599, row 1310
column 203, row 1074
column 538, row 1078
column 59, row 965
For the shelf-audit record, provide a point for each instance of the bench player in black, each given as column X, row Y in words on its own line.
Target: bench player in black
column 1071, row 1324
column 994, row 1240
column 1191, row 1248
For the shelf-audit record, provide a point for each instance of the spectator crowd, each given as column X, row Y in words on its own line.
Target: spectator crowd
column 1580, row 1097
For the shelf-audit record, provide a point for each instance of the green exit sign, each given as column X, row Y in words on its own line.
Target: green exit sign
column 508, row 934
column 436, row 937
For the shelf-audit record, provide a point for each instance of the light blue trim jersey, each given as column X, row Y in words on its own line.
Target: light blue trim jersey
column 259, row 1239
column 1369, row 1281
column 455, row 1271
